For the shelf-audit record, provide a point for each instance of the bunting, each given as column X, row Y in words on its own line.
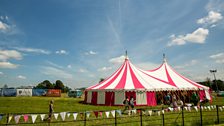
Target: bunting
column 68, row 114
column 189, row 108
column 220, row 108
column 209, row 108
column 158, row 113
column 42, row 116
column 107, row 114
column 196, row 108
column 62, row 114
column 34, row 117
column 87, row 114
column 150, row 112
column 9, row 118
column 17, row 117
column 56, row 116
column 113, row 113
column 101, row 113
column 96, row 114
column 212, row 107
column 119, row 112
column 26, row 118
column 202, row 107
column 75, row 115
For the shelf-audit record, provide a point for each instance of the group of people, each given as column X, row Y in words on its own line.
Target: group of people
column 128, row 102
column 175, row 99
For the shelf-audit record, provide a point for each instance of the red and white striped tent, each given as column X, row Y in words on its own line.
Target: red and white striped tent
column 129, row 80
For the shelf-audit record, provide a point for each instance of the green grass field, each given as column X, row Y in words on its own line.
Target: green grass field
column 22, row 105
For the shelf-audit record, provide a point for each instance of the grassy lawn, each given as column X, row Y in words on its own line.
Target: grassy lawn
column 22, row 105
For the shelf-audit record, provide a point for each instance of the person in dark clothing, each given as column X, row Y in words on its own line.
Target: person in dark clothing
column 195, row 98
column 131, row 102
column 51, row 110
column 126, row 104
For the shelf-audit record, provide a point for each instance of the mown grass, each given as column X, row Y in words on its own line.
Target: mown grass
column 22, row 105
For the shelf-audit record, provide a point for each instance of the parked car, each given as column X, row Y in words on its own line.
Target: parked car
column 75, row 93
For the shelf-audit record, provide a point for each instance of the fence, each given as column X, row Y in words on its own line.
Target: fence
column 203, row 115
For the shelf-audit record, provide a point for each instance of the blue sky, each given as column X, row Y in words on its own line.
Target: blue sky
column 81, row 41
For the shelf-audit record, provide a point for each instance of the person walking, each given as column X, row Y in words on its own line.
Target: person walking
column 126, row 104
column 51, row 110
column 132, row 102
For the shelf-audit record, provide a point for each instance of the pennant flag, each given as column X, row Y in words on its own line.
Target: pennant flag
column 96, row 114
column 129, row 112
column 81, row 115
column 113, row 113
column 205, row 107
column 107, row 114
column 87, row 114
column 202, row 107
column 26, row 118
column 42, row 116
column 185, row 108
column 212, row 106
column 75, row 115
column 196, row 108
column 209, row 108
column 101, row 113
column 62, row 114
column 56, row 116
column 1, row 116
column 143, row 112
column 158, row 113
column 163, row 111
column 178, row 108
column 34, row 117
column 68, row 114
column 134, row 111
column 189, row 108
column 119, row 112
column 17, row 117
column 220, row 108
column 150, row 112
column 9, row 118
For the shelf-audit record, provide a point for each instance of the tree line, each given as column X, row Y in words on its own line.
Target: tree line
column 46, row 84
column 212, row 84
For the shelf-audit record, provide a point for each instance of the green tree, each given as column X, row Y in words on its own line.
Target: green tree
column 45, row 85
column 59, row 85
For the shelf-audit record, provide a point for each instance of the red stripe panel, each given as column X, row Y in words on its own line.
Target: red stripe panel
column 112, row 80
column 169, row 78
column 121, row 83
column 135, row 80
column 109, row 78
column 193, row 83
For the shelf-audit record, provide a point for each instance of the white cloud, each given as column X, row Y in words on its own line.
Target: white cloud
column 103, row 69
column 215, row 5
column 21, row 77
column 62, row 52
column 32, row 50
column 69, row 66
column 8, row 65
column 219, row 58
column 191, row 63
column 55, row 72
column 117, row 60
column 198, row 36
column 212, row 18
column 1, row 73
column 90, row 53
column 54, row 65
column 10, row 54
column 82, row 70
column 3, row 26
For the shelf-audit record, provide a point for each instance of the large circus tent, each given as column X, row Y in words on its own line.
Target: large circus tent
column 143, row 85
